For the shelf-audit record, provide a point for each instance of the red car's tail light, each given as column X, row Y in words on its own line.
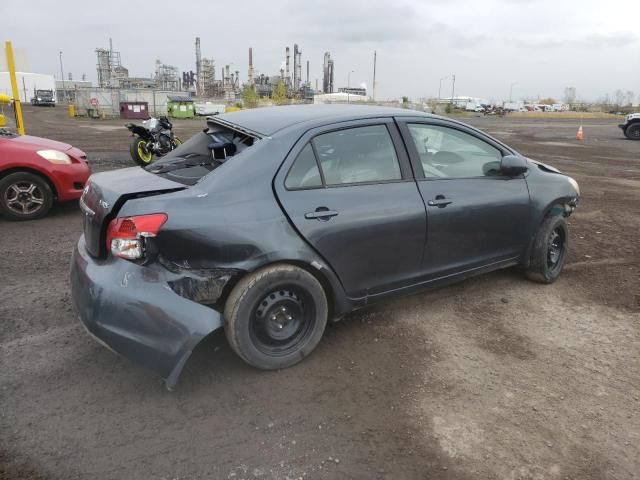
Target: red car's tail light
column 125, row 235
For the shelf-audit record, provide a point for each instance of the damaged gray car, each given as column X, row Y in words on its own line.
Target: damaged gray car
column 272, row 222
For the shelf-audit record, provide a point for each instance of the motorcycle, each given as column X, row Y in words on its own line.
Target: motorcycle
column 154, row 137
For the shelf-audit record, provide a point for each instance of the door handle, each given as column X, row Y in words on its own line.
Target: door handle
column 440, row 201
column 321, row 213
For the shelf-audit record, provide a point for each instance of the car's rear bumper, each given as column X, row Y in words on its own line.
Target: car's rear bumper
column 132, row 310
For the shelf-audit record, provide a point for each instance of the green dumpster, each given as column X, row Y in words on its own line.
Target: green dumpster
column 180, row 107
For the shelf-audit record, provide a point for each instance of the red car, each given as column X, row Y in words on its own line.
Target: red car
column 35, row 172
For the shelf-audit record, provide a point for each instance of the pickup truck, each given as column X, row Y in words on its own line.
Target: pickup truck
column 43, row 97
column 631, row 126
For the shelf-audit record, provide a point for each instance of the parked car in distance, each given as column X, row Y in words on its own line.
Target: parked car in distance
column 36, row 172
column 272, row 222
column 631, row 126
column 43, row 97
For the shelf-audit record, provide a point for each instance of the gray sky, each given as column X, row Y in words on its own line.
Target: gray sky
column 541, row 45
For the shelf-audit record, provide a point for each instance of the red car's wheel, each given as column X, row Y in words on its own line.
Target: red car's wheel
column 24, row 196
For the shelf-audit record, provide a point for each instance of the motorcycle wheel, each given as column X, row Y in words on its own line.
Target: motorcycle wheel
column 139, row 152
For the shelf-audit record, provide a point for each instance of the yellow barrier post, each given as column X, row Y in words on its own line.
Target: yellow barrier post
column 14, row 88
column 4, row 100
column 72, row 110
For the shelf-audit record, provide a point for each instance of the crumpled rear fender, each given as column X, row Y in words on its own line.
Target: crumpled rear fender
column 133, row 310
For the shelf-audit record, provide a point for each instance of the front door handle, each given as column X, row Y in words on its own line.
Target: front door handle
column 440, row 201
column 321, row 213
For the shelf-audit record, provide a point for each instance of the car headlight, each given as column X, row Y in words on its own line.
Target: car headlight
column 574, row 184
column 55, row 156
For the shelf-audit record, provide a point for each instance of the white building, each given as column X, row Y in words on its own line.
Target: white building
column 339, row 97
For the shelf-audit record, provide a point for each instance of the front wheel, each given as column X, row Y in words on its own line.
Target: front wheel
column 549, row 250
column 24, row 196
column 139, row 152
column 276, row 316
column 632, row 132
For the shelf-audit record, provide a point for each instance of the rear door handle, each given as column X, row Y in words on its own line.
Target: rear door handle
column 321, row 213
column 439, row 201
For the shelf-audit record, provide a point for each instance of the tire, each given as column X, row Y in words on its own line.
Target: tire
column 138, row 153
column 549, row 250
column 275, row 316
column 24, row 196
column 632, row 132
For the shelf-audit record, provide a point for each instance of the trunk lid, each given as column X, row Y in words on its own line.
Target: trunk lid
column 105, row 194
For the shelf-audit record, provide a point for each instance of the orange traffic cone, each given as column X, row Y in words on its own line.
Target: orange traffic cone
column 580, row 134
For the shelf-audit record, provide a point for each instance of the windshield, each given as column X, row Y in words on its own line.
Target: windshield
column 201, row 154
column 44, row 93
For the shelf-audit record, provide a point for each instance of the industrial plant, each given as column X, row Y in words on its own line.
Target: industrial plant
column 210, row 86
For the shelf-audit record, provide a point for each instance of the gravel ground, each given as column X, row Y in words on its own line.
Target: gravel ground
column 495, row 377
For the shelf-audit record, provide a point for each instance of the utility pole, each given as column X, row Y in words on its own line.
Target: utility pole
column 453, row 87
column 374, row 76
column 440, row 86
column 511, row 90
column 62, row 74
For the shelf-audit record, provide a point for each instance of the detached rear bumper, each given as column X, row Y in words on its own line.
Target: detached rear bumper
column 133, row 311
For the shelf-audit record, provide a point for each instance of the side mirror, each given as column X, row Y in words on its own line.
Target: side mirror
column 513, row 165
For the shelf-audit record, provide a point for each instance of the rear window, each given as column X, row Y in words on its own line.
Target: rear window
column 201, row 154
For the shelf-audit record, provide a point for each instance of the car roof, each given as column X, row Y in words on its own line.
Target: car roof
column 270, row 120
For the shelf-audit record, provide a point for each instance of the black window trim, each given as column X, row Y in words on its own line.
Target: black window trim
column 414, row 156
column 406, row 170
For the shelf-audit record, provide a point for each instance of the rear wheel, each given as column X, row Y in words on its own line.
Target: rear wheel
column 549, row 250
column 276, row 316
column 632, row 132
column 139, row 152
column 24, row 196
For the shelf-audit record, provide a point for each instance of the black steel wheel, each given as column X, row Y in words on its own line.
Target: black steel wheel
column 24, row 196
column 276, row 316
column 632, row 132
column 549, row 250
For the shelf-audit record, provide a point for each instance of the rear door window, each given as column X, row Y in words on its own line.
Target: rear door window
column 357, row 155
column 304, row 172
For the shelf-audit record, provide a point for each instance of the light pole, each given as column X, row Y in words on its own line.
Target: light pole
column 62, row 74
column 511, row 90
column 453, row 86
column 440, row 86
column 349, row 85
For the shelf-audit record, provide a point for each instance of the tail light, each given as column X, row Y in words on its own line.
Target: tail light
column 126, row 235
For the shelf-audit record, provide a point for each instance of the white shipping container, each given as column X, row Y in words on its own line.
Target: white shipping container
column 27, row 82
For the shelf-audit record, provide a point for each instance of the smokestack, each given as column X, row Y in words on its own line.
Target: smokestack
column 295, row 66
column 287, row 63
column 250, row 80
column 199, row 82
column 307, row 72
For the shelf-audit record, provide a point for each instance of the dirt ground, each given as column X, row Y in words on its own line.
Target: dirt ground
column 493, row 378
